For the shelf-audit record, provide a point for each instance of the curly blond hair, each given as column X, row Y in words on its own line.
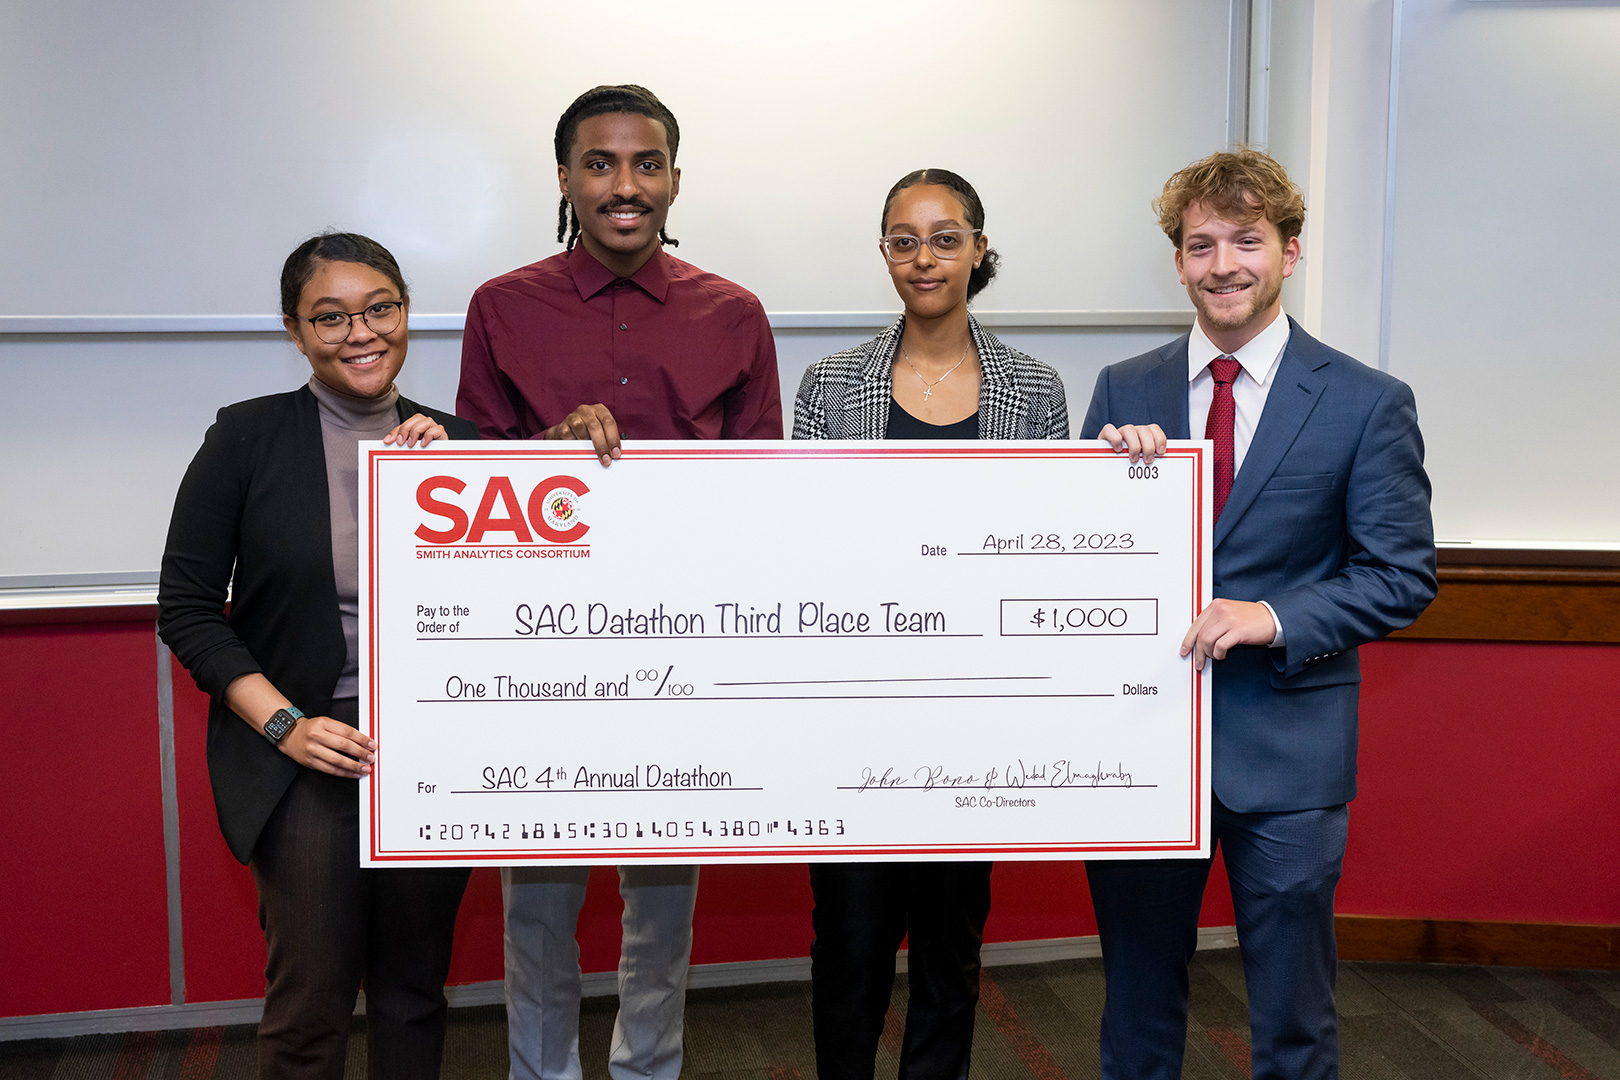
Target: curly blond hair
column 1238, row 185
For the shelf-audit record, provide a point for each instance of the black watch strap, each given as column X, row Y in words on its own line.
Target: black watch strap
column 283, row 721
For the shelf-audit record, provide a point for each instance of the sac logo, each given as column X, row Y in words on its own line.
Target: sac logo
column 551, row 512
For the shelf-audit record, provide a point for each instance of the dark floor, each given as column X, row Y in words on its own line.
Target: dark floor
column 1039, row 1021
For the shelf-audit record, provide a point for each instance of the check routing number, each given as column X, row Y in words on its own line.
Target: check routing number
column 770, row 652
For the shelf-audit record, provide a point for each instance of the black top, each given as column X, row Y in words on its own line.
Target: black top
column 902, row 425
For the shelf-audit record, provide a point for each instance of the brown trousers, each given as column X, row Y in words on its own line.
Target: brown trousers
column 331, row 926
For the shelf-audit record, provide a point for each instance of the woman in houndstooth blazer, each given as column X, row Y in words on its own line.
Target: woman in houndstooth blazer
column 934, row 374
column 849, row 394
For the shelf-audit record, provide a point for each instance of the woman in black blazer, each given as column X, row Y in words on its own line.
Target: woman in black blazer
column 268, row 507
column 934, row 374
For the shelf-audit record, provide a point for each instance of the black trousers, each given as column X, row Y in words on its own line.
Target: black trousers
column 862, row 912
column 331, row 926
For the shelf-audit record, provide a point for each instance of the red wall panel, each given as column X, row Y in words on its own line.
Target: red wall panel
column 748, row 913
column 478, row 956
column 1490, row 783
column 219, row 907
column 85, row 911
column 1489, row 778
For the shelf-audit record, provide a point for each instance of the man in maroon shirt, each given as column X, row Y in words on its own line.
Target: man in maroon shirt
column 611, row 339
column 614, row 337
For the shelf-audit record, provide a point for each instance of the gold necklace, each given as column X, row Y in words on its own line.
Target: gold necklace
column 928, row 387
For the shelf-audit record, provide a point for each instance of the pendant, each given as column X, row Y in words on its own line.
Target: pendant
column 928, row 392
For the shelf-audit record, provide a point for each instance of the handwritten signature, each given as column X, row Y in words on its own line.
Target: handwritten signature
column 1018, row 774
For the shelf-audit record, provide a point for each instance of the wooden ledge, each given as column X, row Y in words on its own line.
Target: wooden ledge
column 1458, row 941
column 1531, row 575
column 1496, row 602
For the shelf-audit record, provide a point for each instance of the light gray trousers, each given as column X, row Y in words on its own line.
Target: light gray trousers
column 542, row 907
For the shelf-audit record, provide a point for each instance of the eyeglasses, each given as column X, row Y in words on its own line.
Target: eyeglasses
column 945, row 244
column 332, row 327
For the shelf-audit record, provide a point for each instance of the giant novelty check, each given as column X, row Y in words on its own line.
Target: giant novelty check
column 766, row 652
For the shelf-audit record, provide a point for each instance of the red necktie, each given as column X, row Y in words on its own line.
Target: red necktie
column 1218, row 428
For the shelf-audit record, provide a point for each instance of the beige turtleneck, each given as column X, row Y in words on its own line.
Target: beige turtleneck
column 345, row 422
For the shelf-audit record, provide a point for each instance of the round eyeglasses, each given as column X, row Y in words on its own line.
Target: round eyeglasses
column 945, row 244
column 383, row 317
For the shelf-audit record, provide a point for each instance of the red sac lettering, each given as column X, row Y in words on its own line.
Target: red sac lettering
column 499, row 487
column 456, row 515
column 551, row 511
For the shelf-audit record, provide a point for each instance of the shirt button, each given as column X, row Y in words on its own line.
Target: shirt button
column 624, row 326
column 622, row 381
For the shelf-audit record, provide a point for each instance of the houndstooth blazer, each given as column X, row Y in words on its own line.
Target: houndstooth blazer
column 846, row 396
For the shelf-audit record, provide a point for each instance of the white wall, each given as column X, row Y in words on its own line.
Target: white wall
column 1501, row 285
column 162, row 158
column 1505, row 274
column 1507, row 148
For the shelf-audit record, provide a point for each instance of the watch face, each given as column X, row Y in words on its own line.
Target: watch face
column 278, row 725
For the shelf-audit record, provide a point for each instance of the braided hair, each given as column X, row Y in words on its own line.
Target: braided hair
column 599, row 101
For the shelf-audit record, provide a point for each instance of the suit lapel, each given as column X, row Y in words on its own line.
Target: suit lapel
column 1167, row 392
column 1294, row 394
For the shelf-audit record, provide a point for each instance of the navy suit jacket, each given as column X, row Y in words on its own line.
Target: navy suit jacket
column 1328, row 522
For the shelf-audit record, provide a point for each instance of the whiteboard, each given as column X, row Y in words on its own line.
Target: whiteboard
column 1505, row 279
column 163, row 157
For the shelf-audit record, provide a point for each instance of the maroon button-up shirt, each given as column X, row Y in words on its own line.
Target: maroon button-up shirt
column 673, row 352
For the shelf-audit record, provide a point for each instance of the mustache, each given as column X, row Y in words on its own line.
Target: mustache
column 623, row 204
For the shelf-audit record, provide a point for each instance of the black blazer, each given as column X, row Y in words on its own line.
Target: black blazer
column 255, row 498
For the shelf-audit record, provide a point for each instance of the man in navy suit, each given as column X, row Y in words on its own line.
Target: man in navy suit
column 1323, row 541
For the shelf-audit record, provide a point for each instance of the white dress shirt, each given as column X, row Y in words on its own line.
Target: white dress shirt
column 1259, row 358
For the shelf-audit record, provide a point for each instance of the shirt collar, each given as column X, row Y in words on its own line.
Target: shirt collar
column 1259, row 356
column 591, row 277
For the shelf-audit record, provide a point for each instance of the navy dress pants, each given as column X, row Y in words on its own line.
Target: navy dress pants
column 1284, row 868
column 862, row 912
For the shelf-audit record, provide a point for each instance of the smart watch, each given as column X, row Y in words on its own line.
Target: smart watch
column 276, row 728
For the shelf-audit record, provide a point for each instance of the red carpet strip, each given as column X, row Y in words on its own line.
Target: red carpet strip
column 202, row 1053
column 1567, row 1067
column 1030, row 1050
column 894, row 1030
column 136, row 1055
column 1233, row 1048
